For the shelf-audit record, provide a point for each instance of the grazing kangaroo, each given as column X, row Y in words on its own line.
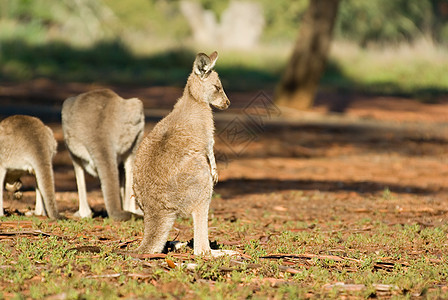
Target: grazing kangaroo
column 175, row 167
column 102, row 131
column 27, row 146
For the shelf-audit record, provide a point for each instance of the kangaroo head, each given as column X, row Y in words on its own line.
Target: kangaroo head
column 206, row 85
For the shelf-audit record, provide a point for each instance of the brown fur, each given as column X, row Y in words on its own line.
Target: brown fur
column 27, row 146
column 175, row 168
column 102, row 130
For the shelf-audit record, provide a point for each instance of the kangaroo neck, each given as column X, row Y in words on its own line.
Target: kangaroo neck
column 187, row 103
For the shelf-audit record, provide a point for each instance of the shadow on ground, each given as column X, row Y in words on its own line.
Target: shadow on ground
column 235, row 187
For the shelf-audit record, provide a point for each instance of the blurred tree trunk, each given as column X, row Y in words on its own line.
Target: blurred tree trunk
column 437, row 20
column 307, row 63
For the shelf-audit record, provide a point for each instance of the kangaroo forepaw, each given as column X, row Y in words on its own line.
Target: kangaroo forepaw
column 214, row 175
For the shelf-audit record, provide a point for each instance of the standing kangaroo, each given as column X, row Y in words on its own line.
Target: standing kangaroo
column 27, row 146
column 175, row 167
column 102, row 131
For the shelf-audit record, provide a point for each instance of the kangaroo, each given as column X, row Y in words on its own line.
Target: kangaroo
column 175, row 168
column 27, row 146
column 102, row 131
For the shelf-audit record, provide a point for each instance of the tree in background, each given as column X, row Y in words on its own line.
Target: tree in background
column 299, row 83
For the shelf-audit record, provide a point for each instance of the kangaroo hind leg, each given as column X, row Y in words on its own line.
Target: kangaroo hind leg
column 157, row 228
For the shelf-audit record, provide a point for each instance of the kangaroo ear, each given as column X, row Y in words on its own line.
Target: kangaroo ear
column 203, row 64
column 213, row 59
column 200, row 64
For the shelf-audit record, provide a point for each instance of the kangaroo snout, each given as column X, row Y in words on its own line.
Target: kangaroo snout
column 224, row 104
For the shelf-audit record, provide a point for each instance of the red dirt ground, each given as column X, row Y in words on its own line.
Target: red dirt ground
column 384, row 158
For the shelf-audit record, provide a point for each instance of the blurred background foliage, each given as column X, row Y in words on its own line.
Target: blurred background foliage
column 362, row 22
column 149, row 42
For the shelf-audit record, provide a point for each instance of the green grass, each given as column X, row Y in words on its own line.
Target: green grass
column 409, row 259
column 410, row 70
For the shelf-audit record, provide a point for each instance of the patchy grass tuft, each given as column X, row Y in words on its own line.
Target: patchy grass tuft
column 91, row 259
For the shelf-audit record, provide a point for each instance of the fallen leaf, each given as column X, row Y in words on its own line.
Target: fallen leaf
column 25, row 232
column 170, row 263
column 289, row 270
column 309, row 256
column 280, row 208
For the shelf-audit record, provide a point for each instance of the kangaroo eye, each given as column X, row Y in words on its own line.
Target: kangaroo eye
column 218, row 88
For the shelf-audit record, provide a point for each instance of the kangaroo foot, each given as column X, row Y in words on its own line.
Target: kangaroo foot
column 79, row 215
column 124, row 216
column 55, row 217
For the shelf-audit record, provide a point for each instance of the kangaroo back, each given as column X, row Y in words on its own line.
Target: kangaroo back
column 102, row 130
